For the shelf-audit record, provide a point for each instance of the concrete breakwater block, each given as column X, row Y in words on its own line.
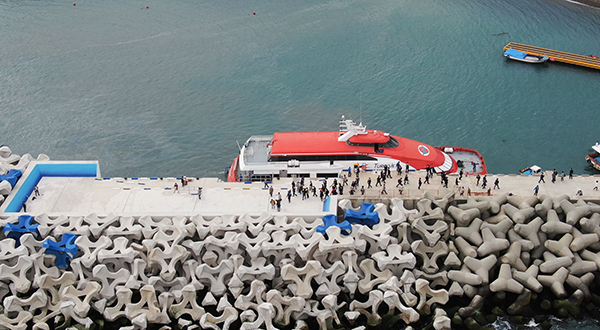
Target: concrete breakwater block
column 505, row 282
column 268, row 271
column 463, row 217
column 6, row 156
column 553, row 224
column 12, row 167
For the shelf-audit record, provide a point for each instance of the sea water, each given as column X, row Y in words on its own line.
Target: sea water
column 167, row 88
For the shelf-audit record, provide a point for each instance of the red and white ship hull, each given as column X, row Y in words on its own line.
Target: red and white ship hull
column 327, row 154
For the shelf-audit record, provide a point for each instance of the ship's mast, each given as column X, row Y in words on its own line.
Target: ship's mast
column 348, row 129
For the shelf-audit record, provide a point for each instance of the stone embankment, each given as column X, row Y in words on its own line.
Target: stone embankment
column 430, row 263
column 443, row 264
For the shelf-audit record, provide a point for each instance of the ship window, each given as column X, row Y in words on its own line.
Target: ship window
column 322, row 158
column 391, row 143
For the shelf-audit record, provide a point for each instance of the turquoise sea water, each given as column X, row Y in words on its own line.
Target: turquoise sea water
column 168, row 90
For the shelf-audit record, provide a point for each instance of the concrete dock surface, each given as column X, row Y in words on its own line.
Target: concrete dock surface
column 157, row 196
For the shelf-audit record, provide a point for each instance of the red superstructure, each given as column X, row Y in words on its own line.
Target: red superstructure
column 296, row 144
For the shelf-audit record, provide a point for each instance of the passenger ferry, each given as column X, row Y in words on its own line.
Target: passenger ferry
column 328, row 154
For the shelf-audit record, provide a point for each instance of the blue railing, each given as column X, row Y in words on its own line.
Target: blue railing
column 51, row 170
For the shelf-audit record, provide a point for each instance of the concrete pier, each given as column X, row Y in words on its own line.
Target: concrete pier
column 157, row 196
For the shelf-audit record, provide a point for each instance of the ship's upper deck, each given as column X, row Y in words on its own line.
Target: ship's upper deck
column 256, row 149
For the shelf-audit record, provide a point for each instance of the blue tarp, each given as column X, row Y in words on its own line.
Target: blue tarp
column 515, row 53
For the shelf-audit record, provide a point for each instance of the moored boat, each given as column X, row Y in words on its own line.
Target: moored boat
column 530, row 170
column 328, row 154
column 513, row 54
column 594, row 157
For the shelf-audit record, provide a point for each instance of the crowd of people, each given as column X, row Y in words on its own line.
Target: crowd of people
column 351, row 184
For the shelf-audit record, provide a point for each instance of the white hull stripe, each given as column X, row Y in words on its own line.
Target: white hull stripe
column 447, row 166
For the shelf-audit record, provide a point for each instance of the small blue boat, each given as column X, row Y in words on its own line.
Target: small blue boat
column 516, row 55
column 531, row 170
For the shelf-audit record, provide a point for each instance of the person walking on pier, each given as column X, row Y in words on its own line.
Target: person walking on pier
column 496, row 183
column 278, row 202
column 571, row 174
column 419, row 187
column 596, row 186
column 399, row 182
column 554, row 173
column 383, row 191
column 477, row 178
column 369, row 183
column 542, row 178
column 536, row 190
column 271, row 191
column 378, row 183
column 427, row 179
column 289, row 196
column 460, row 174
column 176, row 187
column 484, row 183
column 407, row 167
column 562, row 176
column 362, row 190
column 406, row 179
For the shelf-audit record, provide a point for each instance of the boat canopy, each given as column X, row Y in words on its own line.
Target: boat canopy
column 515, row 53
column 535, row 169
